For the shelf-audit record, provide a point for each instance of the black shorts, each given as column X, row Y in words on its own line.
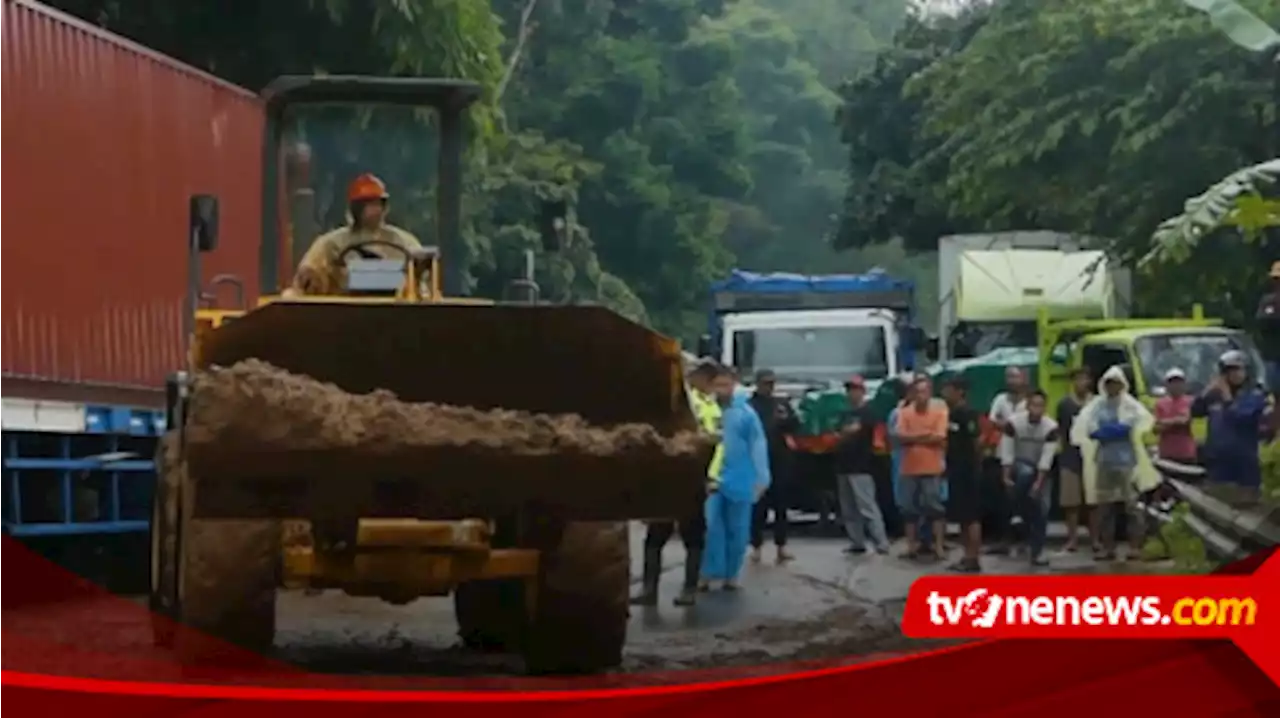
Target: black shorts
column 964, row 496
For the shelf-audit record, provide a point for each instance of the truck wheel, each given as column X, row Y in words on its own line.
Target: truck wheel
column 491, row 614
column 226, row 576
column 580, row 625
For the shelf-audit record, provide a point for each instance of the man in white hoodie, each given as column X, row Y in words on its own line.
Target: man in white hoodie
column 1117, row 469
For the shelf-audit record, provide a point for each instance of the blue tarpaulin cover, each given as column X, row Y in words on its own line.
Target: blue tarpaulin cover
column 874, row 281
column 741, row 282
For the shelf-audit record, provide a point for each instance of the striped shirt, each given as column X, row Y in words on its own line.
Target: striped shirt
column 1029, row 442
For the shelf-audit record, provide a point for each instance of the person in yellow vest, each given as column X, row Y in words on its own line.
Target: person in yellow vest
column 709, row 414
column 693, row 526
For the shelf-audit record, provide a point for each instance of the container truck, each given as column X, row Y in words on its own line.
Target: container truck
column 992, row 287
column 93, row 309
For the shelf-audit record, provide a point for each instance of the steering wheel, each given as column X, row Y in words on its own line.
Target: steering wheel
column 361, row 246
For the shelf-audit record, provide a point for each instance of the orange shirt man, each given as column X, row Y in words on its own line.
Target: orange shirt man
column 922, row 431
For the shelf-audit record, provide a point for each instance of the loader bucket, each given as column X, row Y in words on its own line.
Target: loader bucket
column 587, row 361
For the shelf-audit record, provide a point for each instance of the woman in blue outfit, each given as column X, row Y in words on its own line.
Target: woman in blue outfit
column 744, row 477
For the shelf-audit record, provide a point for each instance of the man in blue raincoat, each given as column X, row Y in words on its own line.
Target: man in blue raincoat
column 744, row 477
column 1236, row 411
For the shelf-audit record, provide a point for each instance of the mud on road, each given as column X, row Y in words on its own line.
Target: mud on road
column 782, row 615
column 338, row 634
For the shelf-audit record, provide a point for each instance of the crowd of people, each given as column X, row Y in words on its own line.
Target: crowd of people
column 1000, row 466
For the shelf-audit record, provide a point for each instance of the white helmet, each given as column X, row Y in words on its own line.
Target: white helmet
column 1234, row 359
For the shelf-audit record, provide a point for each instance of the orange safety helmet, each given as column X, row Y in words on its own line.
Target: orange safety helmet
column 367, row 187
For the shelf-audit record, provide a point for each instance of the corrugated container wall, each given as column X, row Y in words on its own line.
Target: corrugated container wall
column 104, row 141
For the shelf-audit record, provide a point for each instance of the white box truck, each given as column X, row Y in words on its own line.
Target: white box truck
column 991, row 287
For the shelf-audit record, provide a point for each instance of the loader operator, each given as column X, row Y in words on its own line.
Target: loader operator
column 321, row 270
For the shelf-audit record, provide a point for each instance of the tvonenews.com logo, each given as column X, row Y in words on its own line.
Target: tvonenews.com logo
column 980, row 608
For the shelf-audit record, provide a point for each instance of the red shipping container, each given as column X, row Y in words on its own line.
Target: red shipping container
column 104, row 142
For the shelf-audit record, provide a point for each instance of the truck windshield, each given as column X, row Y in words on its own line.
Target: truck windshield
column 974, row 339
column 1195, row 354
column 817, row 354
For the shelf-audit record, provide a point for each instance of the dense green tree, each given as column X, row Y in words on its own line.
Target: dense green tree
column 790, row 58
column 657, row 110
column 508, row 172
column 839, row 37
column 1097, row 118
column 895, row 183
column 1244, row 200
column 687, row 136
column 1114, row 114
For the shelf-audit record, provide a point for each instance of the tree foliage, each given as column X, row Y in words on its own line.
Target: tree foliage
column 1097, row 118
column 1240, row 199
column 688, row 136
column 1237, row 201
column 895, row 180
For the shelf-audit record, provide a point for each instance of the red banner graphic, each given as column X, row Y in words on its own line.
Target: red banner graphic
column 1243, row 609
column 1030, row 676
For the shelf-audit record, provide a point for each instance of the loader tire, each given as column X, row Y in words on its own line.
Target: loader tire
column 226, row 573
column 580, row 625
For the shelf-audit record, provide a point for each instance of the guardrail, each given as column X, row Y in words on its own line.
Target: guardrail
column 1230, row 529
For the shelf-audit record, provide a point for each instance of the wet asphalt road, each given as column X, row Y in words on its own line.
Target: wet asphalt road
column 824, row 605
column 802, row 610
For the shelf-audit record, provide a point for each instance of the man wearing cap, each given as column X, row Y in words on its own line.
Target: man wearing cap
column 780, row 422
column 1173, row 419
column 855, row 484
column 1236, row 411
column 1268, row 318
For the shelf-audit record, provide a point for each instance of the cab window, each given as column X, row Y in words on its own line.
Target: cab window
column 1098, row 358
column 1196, row 354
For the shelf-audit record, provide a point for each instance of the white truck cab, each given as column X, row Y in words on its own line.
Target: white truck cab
column 811, row 349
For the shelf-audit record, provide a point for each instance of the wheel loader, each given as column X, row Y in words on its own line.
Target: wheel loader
column 533, row 547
